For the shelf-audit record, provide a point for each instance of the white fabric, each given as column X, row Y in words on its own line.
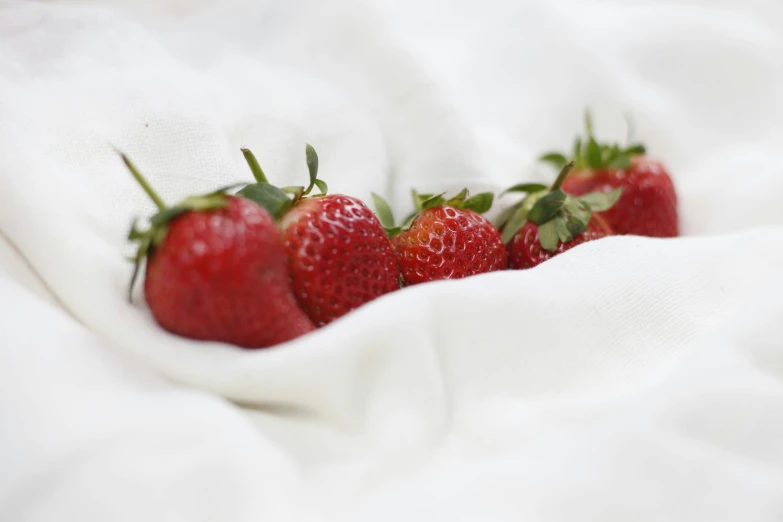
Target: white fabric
column 628, row 379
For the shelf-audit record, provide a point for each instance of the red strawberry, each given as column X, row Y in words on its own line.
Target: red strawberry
column 216, row 271
column 446, row 239
column 648, row 206
column 339, row 256
column 548, row 222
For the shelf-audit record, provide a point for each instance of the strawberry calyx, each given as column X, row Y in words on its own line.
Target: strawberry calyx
column 149, row 238
column 479, row 203
column 587, row 153
column 559, row 217
column 279, row 200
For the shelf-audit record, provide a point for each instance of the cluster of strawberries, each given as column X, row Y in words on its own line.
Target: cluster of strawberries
column 267, row 264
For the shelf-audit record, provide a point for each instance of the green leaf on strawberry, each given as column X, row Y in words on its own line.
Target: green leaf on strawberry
column 322, row 186
column 587, row 153
column 312, row 165
column 430, row 202
column 383, row 210
column 273, row 199
column 479, row 203
column 531, row 187
column 619, row 162
column 547, row 236
column 558, row 216
column 547, row 207
column 277, row 201
column 593, row 154
column 555, row 158
column 512, row 221
column 600, row 201
column 636, row 149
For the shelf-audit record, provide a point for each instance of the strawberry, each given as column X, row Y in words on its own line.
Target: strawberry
column 445, row 239
column 216, row 271
column 648, row 206
column 548, row 222
column 339, row 256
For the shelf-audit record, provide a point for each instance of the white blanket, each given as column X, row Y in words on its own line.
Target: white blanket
column 629, row 379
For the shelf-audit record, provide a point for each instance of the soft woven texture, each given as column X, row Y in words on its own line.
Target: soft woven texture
column 627, row 379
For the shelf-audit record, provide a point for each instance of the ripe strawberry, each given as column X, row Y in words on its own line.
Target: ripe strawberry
column 216, row 271
column 648, row 206
column 548, row 222
column 445, row 239
column 339, row 256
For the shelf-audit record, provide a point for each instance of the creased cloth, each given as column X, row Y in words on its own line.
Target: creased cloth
column 629, row 379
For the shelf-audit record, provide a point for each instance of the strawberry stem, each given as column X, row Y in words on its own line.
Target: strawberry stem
column 562, row 176
column 255, row 168
column 144, row 184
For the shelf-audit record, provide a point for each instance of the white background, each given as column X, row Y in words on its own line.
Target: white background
column 630, row 379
